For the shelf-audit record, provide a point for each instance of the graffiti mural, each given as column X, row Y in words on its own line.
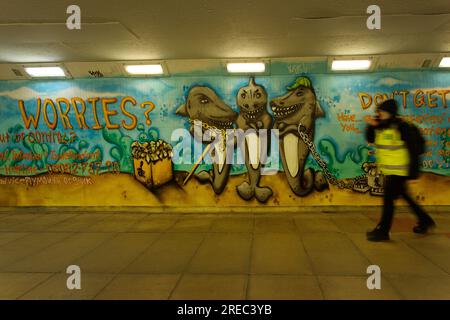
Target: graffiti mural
column 252, row 102
column 205, row 106
column 297, row 111
column 280, row 140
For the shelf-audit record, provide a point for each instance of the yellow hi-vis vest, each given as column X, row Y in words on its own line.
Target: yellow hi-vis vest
column 391, row 152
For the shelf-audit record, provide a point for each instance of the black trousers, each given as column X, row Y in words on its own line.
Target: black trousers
column 395, row 186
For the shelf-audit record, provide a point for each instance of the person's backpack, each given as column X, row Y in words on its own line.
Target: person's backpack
column 416, row 146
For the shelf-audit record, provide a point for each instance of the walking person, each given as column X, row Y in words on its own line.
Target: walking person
column 397, row 154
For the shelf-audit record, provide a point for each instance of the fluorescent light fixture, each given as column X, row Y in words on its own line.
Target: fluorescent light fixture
column 250, row 67
column 445, row 62
column 340, row 65
column 45, row 72
column 144, row 69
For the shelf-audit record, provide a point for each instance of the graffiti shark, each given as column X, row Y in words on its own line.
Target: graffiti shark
column 252, row 101
column 298, row 106
column 203, row 104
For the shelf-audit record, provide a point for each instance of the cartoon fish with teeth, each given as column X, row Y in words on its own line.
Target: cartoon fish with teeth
column 252, row 102
column 298, row 106
column 203, row 104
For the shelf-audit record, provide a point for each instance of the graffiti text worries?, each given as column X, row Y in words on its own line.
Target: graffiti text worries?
column 59, row 109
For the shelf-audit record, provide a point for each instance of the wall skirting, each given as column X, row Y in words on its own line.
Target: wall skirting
column 215, row 210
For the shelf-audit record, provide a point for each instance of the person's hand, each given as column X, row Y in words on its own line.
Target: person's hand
column 371, row 121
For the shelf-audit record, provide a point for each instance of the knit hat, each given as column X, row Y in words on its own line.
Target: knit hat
column 390, row 106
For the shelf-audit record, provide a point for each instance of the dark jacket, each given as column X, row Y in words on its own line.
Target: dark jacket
column 403, row 127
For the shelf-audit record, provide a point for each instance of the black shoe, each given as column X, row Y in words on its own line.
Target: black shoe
column 424, row 227
column 377, row 235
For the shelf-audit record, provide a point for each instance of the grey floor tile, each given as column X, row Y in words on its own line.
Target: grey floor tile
column 442, row 223
column 169, row 254
column 6, row 237
column 13, row 221
column 279, row 253
column 355, row 288
column 44, row 222
column 210, row 287
column 57, row 257
column 274, row 224
column 434, row 247
column 395, row 257
column 55, row 288
column 192, row 224
column 154, row 223
column 32, row 243
column 233, row 224
column 315, row 223
column 223, row 253
column 139, row 287
column 14, row 285
column 349, row 222
column 288, row 256
column 117, row 253
column 277, row 287
column 422, row 287
column 79, row 223
column 119, row 222
column 334, row 254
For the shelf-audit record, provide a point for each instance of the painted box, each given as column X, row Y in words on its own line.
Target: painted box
column 152, row 162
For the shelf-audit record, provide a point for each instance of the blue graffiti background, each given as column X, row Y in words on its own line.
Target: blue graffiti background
column 344, row 150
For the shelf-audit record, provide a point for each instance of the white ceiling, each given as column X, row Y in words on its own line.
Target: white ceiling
column 34, row 30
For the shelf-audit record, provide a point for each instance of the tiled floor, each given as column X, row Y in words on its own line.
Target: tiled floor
column 233, row 256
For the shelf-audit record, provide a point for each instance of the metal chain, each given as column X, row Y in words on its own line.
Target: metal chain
column 223, row 132
column 330, row 177
column 312, row 148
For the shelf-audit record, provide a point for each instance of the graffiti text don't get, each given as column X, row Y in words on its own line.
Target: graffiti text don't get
column 431, row 98
column 75, row 112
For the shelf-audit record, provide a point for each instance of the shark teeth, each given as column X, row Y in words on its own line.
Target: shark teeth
column 250, row 116
column 221, row 124
column 253, row 114
column 282, row 112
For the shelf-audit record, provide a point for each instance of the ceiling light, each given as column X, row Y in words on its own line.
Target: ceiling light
column 445, row 62
column 340, row 65
column 246, row 67
column 144, row 69
column 45, row 72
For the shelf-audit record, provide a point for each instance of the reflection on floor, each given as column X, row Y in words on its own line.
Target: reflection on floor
column 235, row 256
